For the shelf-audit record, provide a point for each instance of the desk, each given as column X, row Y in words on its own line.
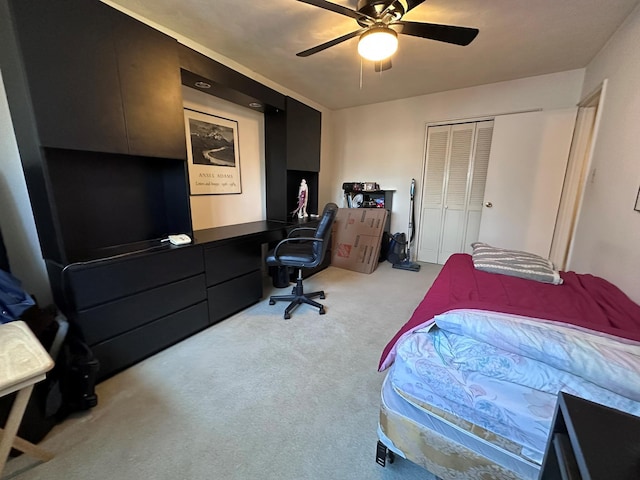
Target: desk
column 143, row 298
column 233, row 264
column 264, row 231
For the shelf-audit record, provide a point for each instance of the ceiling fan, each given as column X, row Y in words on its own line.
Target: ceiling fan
column 381, row 22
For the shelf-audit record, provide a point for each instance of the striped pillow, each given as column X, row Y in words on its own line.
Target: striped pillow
column 515, row 263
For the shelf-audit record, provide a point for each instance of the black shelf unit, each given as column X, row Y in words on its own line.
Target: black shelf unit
column 108, row 204
column 373, row 199
column 96, row 103
column 291, row 156
column 104, row 155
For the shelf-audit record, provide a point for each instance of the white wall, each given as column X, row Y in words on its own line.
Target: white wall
column 385, row 142
column 608, row 230
column 208, row 211
column 16, row 217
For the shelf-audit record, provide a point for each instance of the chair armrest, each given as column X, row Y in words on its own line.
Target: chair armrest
column 297, row 229
column 296, row 239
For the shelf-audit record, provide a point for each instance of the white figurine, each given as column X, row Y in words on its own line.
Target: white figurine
column 303, row 197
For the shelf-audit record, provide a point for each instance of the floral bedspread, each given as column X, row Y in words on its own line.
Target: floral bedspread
column 503, row 371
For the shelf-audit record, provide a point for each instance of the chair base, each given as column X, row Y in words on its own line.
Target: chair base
column 298, row 297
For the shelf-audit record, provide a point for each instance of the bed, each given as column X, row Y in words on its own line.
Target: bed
column 472, row 378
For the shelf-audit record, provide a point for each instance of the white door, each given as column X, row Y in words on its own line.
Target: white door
column 477, row 183
column 527, row 164
column 456, row 157
column 432, row 205
column 455, row 190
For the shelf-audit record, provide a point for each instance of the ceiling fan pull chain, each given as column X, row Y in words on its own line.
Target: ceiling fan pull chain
column 360, row 73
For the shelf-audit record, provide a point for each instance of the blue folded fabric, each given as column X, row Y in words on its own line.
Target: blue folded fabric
column 13, row 299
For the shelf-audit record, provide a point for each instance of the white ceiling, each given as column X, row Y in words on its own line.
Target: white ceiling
column 518, row 38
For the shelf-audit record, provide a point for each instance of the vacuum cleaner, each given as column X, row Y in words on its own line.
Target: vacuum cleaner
column 407, row 264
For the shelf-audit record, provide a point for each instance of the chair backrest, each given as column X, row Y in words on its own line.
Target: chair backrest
column 324, row 231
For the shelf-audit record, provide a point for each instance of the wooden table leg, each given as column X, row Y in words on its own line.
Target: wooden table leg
column 13, row 423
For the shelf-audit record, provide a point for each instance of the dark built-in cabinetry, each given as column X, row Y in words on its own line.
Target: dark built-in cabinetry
column 99, row 80
column 130, row 307
column 591, row 441
column 133, row 305
column 293, row 154
column 292, row 130
column 96, row 104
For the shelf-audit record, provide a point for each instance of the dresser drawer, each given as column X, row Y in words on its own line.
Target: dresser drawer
column 99, row 282
column 232, row 296
column 231, row 260
column 113, row 318
column 129, row 348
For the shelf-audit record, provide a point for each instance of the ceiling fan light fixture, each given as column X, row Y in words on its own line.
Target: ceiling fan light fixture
column 378, row 43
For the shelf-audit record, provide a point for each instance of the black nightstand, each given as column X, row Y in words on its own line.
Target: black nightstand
column 591, row 441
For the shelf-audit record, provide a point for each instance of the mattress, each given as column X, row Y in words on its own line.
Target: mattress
column 445, row 446
column 464, row 366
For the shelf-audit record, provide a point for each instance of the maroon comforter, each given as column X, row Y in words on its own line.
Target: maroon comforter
column 582, row 300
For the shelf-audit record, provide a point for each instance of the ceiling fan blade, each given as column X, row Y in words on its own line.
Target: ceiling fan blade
column 442, row 33
column 331, row 43
column 383, row 65
column 333, row 7
column 411, row 4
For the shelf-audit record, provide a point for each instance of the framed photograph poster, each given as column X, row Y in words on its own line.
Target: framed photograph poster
column 212, row 153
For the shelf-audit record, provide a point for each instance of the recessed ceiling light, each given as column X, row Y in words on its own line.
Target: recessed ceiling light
column 255, row 105
column 203, row 85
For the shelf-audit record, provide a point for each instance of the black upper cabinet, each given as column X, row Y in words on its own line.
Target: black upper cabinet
column 72, row 72
column 100, row 80
column 303, row 136
column 149, row 70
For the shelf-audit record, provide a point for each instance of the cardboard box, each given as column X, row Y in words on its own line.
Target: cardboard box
column 356, row 238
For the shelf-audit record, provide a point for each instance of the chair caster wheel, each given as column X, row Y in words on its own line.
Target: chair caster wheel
column 272, row 302
column 287, row 316
column 321, row 311
column 322, row 297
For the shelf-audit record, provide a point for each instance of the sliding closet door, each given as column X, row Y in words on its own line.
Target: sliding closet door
column 457, row 157
column 528, row 159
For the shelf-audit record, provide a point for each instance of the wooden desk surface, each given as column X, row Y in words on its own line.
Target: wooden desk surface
column 23, row 359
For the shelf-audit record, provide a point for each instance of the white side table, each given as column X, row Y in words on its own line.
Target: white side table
column 23, row 363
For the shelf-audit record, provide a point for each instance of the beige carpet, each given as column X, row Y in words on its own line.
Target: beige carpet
column 252, row 397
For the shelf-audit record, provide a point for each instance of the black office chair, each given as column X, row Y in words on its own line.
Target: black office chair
column 303, row 252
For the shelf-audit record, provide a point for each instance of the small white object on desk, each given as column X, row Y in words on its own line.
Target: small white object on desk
column 181, row 239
